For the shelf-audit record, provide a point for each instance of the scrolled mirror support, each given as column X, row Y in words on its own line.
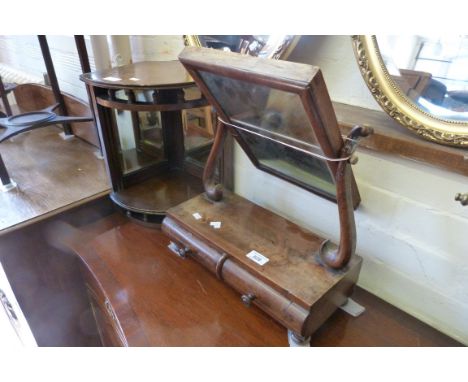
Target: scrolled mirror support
column 334, row 256
column 214, row 190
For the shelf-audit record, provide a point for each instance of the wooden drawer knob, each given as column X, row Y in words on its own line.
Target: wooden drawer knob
column 248, row 298
column 178, row 250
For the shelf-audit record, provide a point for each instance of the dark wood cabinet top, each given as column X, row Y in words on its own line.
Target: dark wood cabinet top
column 161, row 299
column 141, row 75
column 53, row 175
column 164, row 300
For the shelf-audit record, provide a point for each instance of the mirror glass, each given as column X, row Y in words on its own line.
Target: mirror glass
column 199, row 126
column 199, row 123
column 275, row 113
column 430, row 70
column 139, row 135
column 276, row 129
column 289, row 163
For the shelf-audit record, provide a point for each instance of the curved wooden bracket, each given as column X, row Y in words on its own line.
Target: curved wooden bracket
column 334, row 256
column 214, row 190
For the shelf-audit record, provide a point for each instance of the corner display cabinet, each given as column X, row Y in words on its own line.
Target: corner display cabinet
column 281, row 115
column 156, row 134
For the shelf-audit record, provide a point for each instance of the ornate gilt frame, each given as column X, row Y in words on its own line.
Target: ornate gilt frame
column 398, row 105
column 281, row 51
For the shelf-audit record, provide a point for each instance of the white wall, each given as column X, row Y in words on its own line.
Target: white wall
column 411, row 232
column 156, row 48
column 334, row 55
column 23, row 53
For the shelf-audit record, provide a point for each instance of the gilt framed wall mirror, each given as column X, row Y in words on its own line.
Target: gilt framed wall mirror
column 421, row 81
column 266, row 46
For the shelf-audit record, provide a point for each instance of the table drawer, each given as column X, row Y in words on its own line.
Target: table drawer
column 108, row 325
column 252, row 290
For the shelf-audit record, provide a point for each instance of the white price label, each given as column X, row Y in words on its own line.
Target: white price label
column 215, row 225
column 197, row 216
column 257, row 257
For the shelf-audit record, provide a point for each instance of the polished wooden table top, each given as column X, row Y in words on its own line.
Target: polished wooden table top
column 167, row 300
column 141, row 75
column 53, row 175
column 161, row 299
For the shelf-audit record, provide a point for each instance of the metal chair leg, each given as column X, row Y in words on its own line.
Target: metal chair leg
column 6, row 184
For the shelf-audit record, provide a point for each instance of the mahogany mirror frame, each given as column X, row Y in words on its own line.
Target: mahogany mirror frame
column 311, row 94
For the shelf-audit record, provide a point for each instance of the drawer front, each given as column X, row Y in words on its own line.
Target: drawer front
column 255, row 291
column 252, row 290
column 108, row 325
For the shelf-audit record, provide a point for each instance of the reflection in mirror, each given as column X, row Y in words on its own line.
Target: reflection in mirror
column 139, row 144
column 275, row 113
column 431, row 71
column 139, row 135
column 198, row 126
column 289, row 163
column 199, row 123
column 273, row 125
column 266, row 46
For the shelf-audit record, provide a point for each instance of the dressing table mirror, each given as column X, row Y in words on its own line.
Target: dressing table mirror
column 281, row 115
column 421, row 81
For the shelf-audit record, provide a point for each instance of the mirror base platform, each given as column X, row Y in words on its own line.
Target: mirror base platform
column 272, row 262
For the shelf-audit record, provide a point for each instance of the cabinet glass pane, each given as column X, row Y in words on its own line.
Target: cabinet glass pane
column 140, row 140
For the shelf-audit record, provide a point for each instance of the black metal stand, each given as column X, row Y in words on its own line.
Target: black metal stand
column 53, row 80
column 20, row 123
column 86, row 68
column 4, row 90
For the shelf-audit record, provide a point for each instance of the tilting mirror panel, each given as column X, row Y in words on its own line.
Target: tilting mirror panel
column 272, row 112
column 291, row 164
